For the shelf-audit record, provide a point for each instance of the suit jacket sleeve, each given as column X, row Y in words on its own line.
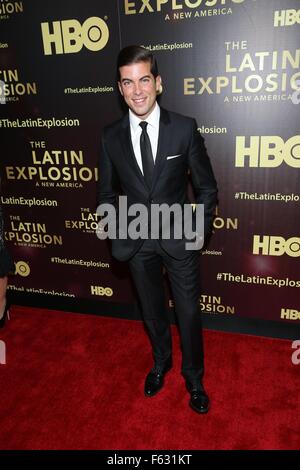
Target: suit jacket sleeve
column 203, row 180
column 108, row 180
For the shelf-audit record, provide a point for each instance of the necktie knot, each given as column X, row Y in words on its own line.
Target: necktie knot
column 144, row 125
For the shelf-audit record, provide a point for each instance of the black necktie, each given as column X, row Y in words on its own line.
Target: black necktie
column 146, row 153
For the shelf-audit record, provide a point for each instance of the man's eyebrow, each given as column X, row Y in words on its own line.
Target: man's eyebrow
column 130, row 80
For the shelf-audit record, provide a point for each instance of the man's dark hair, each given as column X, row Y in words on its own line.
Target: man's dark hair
column 134, row 54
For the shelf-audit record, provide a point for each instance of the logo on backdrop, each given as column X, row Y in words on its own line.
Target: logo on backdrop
column 22, row 268
column 69, row 36
column 267, row 151
column 211, row 304
column 250, row 76
column 286, row 17
column 53, row 168
column 276, row 246
column 38, row 122
column 30, row 234
column 87, row 223
column 12, row 89
column 225, row 223
column 9, row 8
column 289, row 314
column 102, row 291
column 30, row 202
column 212, row 130
column 181, row 9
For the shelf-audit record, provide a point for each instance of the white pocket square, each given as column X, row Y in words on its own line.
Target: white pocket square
column 174, row 156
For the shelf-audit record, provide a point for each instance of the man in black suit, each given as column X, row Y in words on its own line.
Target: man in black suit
column 148, row 156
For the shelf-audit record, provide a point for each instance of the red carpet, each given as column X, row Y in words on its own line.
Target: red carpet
column 76, row 382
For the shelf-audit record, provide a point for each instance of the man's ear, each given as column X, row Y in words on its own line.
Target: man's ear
column 159, row 87
column 120, row 88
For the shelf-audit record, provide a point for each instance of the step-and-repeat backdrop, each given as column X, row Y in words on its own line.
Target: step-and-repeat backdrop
column 231, row 64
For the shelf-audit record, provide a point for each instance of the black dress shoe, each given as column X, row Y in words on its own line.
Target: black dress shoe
column 199, row 401
column 155, row 379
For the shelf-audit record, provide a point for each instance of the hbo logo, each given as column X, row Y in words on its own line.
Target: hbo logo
column 69, row 36
column 286, row 17
column 276, row 246
column 267, row 151
column 102, row 291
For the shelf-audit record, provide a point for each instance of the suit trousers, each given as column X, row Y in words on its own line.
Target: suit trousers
column 146, row 267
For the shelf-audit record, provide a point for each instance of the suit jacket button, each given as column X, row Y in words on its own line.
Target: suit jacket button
column 151, row 201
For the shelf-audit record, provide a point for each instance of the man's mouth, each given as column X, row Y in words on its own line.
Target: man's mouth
column 139, row 100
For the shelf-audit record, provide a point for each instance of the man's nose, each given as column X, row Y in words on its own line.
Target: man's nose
column 137, row 89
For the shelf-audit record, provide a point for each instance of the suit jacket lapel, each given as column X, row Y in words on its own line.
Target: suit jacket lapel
column 128, row 149
column 163, row 144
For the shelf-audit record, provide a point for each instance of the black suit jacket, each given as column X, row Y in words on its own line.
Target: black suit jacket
column 119, row 171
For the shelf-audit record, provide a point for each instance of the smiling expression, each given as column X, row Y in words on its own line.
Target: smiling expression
column 139, row 88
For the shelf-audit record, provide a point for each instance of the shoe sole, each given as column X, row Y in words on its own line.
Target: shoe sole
column 197, row 409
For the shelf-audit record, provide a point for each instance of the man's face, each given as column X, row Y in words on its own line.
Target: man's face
column 139, row 88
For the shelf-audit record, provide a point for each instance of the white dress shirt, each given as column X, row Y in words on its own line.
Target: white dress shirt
column 152, row 130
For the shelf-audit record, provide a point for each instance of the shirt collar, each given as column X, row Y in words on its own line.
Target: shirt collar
column 152, row 119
